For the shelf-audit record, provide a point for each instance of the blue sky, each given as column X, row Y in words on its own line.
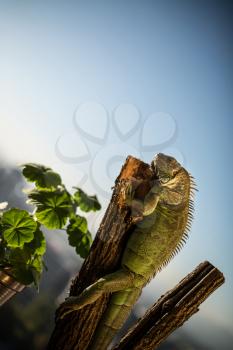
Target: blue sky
column 168, row 59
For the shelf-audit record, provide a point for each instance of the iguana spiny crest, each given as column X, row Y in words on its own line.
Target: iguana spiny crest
column 166, row 213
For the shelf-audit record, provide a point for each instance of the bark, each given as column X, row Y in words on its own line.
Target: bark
column 172, row 309
column 76, row 330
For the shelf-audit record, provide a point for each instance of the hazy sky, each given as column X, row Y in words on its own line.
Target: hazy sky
column 84, row 83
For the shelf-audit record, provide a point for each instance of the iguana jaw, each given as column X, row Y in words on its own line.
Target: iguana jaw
column 165, row 168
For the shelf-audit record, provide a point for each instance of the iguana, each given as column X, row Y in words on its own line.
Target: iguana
column 166, row 218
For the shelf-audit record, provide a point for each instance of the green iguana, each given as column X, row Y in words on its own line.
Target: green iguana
column 167, row 215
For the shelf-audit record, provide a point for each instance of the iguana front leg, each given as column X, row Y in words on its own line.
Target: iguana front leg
column 141, row 207
column 151, row 199
column 121, row 279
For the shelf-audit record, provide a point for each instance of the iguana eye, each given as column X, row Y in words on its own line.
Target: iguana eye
column 165, row 179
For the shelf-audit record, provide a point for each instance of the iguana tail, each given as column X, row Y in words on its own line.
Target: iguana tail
column 118, row 310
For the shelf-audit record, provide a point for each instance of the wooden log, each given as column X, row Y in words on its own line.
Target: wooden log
column 172, row 309
column 75, row 331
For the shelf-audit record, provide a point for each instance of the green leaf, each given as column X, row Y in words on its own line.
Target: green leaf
column 76, row 229
column 36, row 268
column 37, row 264
column 75, row 238
column 79, row 223
column 38, row 245
column 85, row 202
column 20, row 266
column 53, row 208
column 78, row 235
column 26, row 268
column 84, row 246
column 18, row 227
column 19, row 256
column 23, row 275
column 43, row 177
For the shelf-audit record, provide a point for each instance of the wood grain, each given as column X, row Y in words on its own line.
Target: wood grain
column 173, row 309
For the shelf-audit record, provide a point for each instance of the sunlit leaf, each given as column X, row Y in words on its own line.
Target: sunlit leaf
column 86, row 203
column 43, row 177
column 53, row 208
column 18, row 227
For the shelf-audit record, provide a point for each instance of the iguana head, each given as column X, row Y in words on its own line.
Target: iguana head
column 165, row 167
column 173, row 179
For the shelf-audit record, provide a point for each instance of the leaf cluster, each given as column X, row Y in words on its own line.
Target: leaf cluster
column 22, row 242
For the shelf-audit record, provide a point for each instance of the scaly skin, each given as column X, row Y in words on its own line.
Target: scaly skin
column 166, row 213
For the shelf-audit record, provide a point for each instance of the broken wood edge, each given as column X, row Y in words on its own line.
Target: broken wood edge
column 173, row 309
